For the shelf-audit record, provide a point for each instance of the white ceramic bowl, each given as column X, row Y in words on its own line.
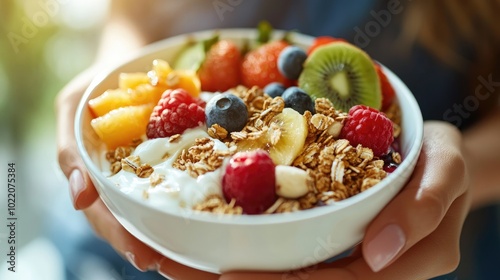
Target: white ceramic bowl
column 217, row 243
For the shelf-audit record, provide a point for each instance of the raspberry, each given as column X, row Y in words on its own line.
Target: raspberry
column 250, row 180
column 370, row 128
column 176, row 111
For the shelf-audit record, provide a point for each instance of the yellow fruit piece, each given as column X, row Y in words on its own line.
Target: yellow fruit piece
column 132, row 80
column 161, row 68
column 163, row 75
column 116, row 98
column 189, row 81
column 122, row 126
column 109, row 100
column 145, row 94
column 159, row 72
column 284, row 140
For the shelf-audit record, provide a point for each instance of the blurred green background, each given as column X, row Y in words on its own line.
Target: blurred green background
column 43, row 45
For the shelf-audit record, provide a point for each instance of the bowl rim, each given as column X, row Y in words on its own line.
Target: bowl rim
column 278, row 218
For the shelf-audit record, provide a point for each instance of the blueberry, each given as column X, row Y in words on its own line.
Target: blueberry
column 298, row 100
column 228, row 111
column 291, row 61
column 274, row 89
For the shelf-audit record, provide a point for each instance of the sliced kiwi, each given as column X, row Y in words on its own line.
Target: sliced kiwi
column 344, row 74
column 192, row 56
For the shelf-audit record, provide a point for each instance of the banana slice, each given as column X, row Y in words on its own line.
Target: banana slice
column 291, row 182
column 284, row 140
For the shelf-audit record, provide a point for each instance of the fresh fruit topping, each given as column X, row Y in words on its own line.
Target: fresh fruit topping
column 260, row 66
column 291, row 61
column 176, row 111
column 298, row 100
column 284, row 139
column 388, row 92
column 116, row 98
column 187, row 80
column 265, row 30
column 192, row 56
column 391, row 167
column 163, row 76
column 274, row 89
column 228, row 111
column 249, row 180
column 370, row 128
column 321, row 41
column 120, row 127
column 132, row 80
column 144, row 88
column 160, row 69
column 342, row 73
column 291, row 182
column 392, row 159
column 221, row 69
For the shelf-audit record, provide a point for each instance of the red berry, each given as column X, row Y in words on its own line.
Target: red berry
column 176, row 111
column 388, row 92
column 389, row 164
column 250, row 180
column 260, row 66
column 370, row 128
column 390, row 168
column 221, row 69
column 322, row 40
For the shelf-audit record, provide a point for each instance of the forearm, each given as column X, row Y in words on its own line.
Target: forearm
column 482, row 150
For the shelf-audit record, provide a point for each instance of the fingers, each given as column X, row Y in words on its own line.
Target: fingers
column 173, row 270
column 439, row 178
column 83, row 192
column 137, row 253
column 436, row 254
column 108, row 228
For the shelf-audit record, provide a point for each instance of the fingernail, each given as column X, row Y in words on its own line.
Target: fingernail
column 154, row 267
column 131, row 259
column 76, row 185
column 384, row 247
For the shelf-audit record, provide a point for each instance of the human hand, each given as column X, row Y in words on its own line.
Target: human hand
column 86, row 198
column 417, row 233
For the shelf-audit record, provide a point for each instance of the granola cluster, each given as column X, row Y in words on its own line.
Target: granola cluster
column 121, row 159
column 201, row 158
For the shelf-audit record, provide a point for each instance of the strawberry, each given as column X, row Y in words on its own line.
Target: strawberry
column 221, row 69
column 388, row 92
column 260, row 66
column 322, row 40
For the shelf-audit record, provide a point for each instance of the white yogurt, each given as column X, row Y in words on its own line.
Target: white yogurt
column 178, row 189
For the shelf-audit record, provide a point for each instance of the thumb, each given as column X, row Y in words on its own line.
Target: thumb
column 83, row 192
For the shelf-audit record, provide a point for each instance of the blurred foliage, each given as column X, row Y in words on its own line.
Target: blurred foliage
column 31, row 82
